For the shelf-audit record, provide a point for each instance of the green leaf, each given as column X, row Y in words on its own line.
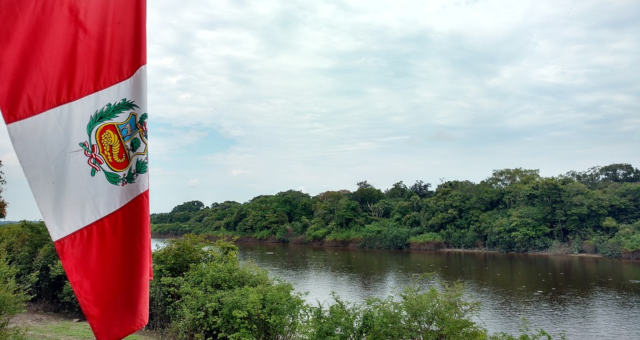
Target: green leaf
column 141, row 167
column 143, row 118
column 84, row 147
column 112, row 177
column 130, row 178
column 109, row 112
column 93, row 172
column 135, row 144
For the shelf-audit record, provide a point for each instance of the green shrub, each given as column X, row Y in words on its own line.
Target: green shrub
column 611, row 247
column 427, row 237
column 515, row 233
column 344, row 235
column 629, row 235
column 316, row 232
column 632, row 243
column 559, row 248
column 338, row 321
column 386, row 235
column 200, row 290
column 418, row 314
column 12, row 298
column 176, row 229
column 589, row 246
column 282, row 233
column 30, row 249
column 461, row 238
column 263, row 234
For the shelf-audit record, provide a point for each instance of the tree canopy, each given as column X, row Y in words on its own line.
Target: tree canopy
column 512, row 210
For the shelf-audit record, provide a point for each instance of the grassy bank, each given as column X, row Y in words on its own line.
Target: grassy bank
column 36, row 325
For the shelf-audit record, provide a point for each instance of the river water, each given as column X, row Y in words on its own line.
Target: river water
column 582, row 297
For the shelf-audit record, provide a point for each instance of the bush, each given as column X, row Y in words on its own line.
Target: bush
column 630, row 237
column 427, row 237
column 632, row 243
column 200, row 290
column 611, row 247
column 29, row 248
column 419, row 314
column 559, row 248
column 461, row 238
column 386, row 235
column 316, row 232
column 12, row 298
column 176, row 229
column 343, row 235
column 589, row 246
column 515, row 233
column 264, row 234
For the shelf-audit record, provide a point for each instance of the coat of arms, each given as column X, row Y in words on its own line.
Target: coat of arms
column 117, row 148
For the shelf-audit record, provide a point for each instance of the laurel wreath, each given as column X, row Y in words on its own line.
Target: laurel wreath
column 107, row 113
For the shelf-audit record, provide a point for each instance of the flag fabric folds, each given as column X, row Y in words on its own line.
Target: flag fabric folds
column 73, row 96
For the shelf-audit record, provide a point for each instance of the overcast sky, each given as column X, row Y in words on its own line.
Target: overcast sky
column 257, row 97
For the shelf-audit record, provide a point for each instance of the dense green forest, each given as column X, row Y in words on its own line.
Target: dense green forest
column 597, row 210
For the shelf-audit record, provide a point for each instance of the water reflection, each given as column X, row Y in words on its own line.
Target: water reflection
column 588, row 298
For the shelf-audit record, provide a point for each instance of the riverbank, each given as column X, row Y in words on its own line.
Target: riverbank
column 413, row 246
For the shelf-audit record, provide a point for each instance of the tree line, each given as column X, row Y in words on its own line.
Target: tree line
column 597, row 210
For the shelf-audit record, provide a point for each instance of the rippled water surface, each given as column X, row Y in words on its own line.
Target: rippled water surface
column 586, row 298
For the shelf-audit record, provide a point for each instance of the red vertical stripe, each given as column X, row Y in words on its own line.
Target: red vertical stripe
column 54, row 52
column 108, row 264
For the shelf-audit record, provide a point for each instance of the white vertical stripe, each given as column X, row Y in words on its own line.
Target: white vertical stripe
column 56, row 166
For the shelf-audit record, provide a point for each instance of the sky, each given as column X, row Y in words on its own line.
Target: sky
column 257, row 97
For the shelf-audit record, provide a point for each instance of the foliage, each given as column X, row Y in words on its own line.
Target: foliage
column 108, row 112
column 418, row 314
column 191, row 206
column 200, row 290
column 386, row 235
column 601, row 176
column 30, row 250
column 12, row 298
column 427, row 237
column 512, row 210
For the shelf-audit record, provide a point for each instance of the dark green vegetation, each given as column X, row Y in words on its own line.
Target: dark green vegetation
column 38, row 271
column 597, row 210
column 201, row 291
column 11, row 298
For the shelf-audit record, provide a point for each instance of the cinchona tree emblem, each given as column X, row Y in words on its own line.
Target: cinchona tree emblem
column 117, row 148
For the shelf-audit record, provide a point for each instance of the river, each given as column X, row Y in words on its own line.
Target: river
column 582, row 297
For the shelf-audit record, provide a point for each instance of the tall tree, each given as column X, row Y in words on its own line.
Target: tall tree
column 367, row 195
column 191, row 206
column 422, row 189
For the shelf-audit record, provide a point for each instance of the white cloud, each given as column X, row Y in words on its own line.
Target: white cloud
column 323, row 94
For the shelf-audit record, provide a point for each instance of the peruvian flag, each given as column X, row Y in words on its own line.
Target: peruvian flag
column 73, row 96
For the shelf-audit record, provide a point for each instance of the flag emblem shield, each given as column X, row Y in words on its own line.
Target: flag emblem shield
column 117, row 148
